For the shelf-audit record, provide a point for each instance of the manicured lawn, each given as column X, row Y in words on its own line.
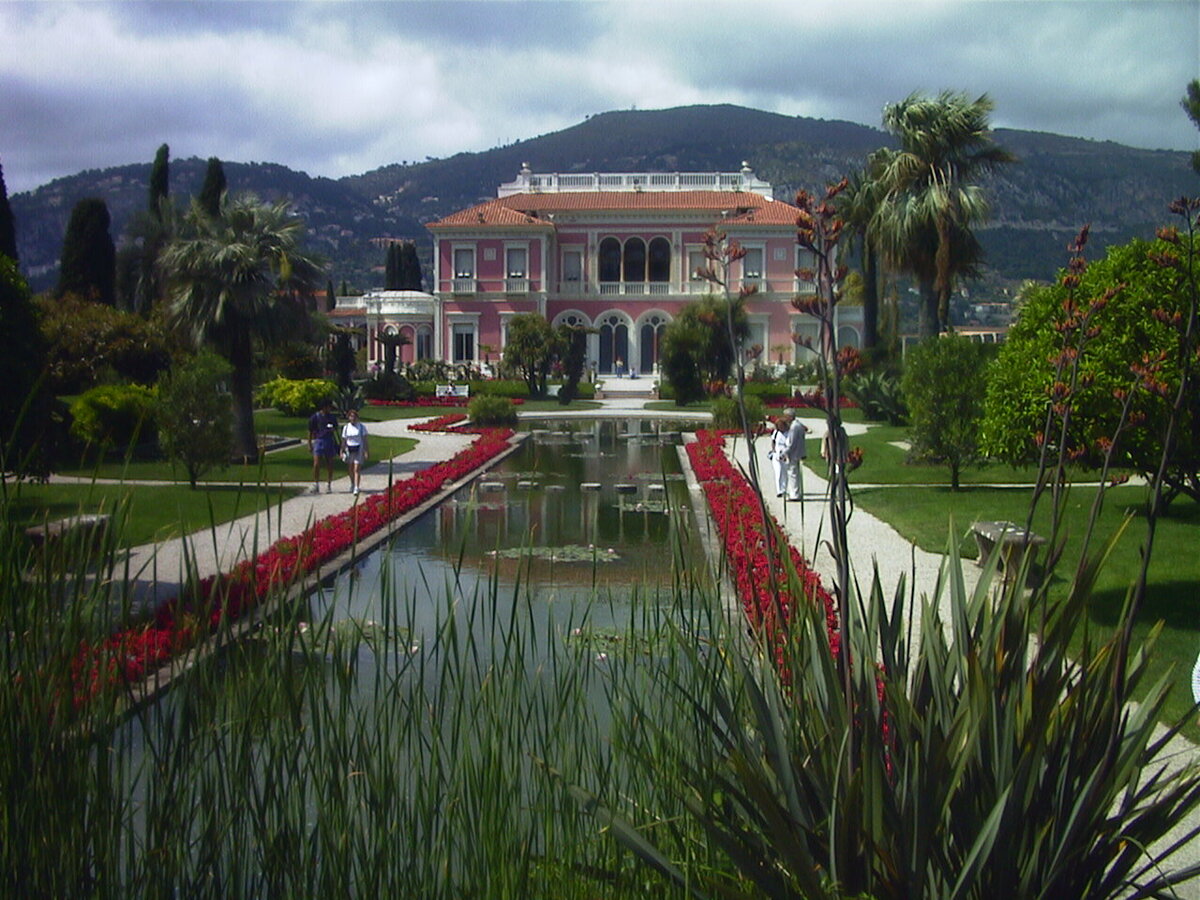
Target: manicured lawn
column 886, row 463
column 924, row 516
column 290, row 464
column 153, row 513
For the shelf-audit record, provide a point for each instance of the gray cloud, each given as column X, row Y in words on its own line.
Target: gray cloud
column 342, row 87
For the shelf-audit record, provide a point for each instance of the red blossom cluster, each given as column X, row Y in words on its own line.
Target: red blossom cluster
column 738, row 517
column 814, row 399
column 134, row 652
column 442, row 423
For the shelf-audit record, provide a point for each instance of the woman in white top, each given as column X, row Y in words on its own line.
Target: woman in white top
column 354, row 448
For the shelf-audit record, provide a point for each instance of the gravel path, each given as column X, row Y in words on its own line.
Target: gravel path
column 157, row 571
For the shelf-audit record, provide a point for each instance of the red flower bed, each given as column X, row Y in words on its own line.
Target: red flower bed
column 132, row 653
column 738, row 516
column 442, row 423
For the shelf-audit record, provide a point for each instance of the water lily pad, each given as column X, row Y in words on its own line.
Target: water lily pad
column 603, row 641
column 565, row 554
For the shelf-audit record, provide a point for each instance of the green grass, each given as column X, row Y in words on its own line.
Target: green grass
column 155, row 513
column 1173, row 591
column 290, row 464
column 885, row 463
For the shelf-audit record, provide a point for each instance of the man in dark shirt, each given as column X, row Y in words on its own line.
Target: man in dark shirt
column 323, row 444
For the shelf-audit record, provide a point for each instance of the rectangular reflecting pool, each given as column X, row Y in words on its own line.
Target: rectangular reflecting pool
column 585, row 510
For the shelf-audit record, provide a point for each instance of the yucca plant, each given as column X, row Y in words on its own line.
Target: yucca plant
column 955, row 745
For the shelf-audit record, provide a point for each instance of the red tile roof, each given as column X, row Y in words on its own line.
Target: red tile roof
column 530, row 209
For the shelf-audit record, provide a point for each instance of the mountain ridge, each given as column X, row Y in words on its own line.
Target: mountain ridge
column 1060, row 184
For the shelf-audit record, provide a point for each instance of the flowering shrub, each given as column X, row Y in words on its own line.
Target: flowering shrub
column 132, row 653
column 738, row 516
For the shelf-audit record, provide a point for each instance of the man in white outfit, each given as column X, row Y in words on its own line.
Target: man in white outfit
column 780, row 445
column 796, row 451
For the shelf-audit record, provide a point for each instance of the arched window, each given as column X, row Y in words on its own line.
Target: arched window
column 660, row 259
column 424, row 342
column 610, row 259
column 650, row 341
column 635, row 260
column 614, row 343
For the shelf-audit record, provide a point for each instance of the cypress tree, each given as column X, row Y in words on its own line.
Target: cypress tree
column 88, row 266
column 214, row 187
column 410, row 268
column 391, row 269
column 159, row 179
column 23, row 402
column 330, row 296
column 8, row 226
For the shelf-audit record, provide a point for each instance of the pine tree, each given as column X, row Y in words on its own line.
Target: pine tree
column 8, row 227
column 214, row 186
column 159, row 179
column 88, row 266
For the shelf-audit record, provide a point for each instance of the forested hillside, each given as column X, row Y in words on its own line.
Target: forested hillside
column 1060, row 184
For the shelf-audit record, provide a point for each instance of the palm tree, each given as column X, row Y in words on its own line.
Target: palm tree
column 932, row 201
column 859, row 205
column 235, row 278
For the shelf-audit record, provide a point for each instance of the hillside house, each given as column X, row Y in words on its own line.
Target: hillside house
column 616, row 252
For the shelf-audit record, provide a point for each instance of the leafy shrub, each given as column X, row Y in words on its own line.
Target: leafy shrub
column 388, row 386
column 800, row 373
column 944, row 386
column 297, row 361
column 485, row 410
column 432, row 370
column 88, row 343
column 879, row 396
column 114, row 415
column 195, row 417
column 725, row 411
column 296, row 398
column 766, row 391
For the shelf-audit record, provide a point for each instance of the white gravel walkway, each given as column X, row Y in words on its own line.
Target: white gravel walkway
column 157, row 571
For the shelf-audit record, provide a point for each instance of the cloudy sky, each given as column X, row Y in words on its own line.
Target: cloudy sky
column 337, row 88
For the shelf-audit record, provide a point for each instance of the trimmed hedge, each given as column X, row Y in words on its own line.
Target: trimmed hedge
column 300, row 397
column 726, row 415
column 485, row 410
column 115, row 415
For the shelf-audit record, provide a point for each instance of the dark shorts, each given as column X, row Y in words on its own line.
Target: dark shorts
column 354, row 455
column 323, row 447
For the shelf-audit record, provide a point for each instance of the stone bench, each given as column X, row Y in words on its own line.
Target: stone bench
column 1014, row 544
column 89, row 526
column 453, row 390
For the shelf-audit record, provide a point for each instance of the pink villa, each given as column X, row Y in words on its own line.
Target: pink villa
column 615, row 252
